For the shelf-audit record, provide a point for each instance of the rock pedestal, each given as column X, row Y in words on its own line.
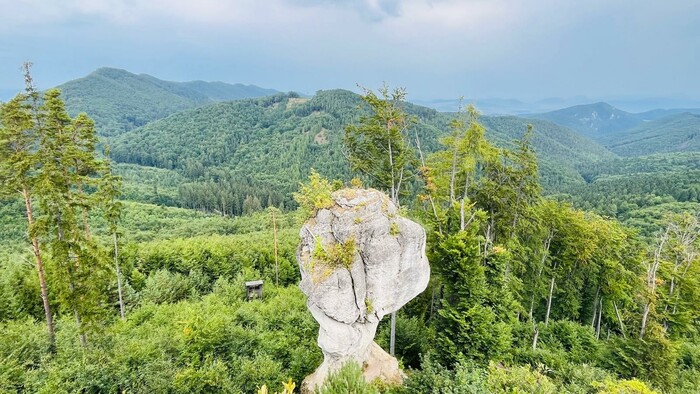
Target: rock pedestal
column 359, row 261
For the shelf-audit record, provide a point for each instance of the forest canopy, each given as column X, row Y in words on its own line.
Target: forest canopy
column 557, row 267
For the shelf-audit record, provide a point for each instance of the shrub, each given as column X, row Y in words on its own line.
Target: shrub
column 347, row 379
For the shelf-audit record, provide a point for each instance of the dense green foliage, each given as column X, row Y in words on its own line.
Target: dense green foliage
column 120, row 101
column 528, row 294
column 639, row 191
column 202, row 344
column 675, row 133
column 260, row 149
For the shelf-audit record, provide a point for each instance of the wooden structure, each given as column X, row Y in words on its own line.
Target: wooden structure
column 254, row 290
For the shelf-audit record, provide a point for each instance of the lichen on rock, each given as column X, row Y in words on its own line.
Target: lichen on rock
column 360, row 261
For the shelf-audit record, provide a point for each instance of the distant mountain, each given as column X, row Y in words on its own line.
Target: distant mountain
column 674, row 133
column 120, row 101
column 660, row 113
column 494, row 106
column 267, row 145
column 592, row 120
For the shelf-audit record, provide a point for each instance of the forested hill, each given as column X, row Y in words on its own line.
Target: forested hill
column 606, row 124
column 119, row 101
column 675, row 133
column 592, row 120
column 263, row 147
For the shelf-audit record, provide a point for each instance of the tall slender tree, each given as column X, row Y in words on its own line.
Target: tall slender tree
column 108, row 193
column 68, row 168
column 379, row 147
column 18, row 174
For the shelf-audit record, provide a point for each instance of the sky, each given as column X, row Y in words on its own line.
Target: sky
column 520, row 49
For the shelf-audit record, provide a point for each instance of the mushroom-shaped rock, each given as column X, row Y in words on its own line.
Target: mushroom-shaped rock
column 360, row 261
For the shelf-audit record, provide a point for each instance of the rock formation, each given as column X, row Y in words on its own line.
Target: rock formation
column 360, row 261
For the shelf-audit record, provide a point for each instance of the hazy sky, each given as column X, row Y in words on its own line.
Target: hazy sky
column 524, row 49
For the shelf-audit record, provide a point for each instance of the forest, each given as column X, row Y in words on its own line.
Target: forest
column 557, row 266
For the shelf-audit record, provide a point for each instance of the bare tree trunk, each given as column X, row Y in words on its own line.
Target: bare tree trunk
column 392, row 340
column 39, row 263
column 453, row 173
column 430, row 197
column 391, row 164
column 600, row 317
column 619, row 319
column 119, row 278
column 652, row 269
column 595, row 306
column 535, row 337
column 551, row 294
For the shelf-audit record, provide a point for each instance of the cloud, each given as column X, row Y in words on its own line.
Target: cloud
column 487, row 47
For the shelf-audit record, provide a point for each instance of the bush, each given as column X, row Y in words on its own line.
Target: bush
column 346, row 380
column 23, row 346
column 518, row 379
column 653, row 359
column 436, row 379
column 633, row 386
column 164, row 287
column 413, row 339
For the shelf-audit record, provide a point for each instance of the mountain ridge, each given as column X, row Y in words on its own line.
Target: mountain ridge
column 119, row 100
column 272, row 142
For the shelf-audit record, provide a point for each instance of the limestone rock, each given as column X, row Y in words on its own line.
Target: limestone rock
column 359, row 261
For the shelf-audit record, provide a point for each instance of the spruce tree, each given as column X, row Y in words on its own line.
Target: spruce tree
column 68, row 165
column 18, row 174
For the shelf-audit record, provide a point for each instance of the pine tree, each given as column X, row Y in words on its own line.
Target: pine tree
column 18, row 173
column 68, row 165
column 378, row 146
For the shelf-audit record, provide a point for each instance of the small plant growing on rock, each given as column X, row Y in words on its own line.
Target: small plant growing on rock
column 315, row 194
column 394, row 229
column 368, row 305
column 336, row 255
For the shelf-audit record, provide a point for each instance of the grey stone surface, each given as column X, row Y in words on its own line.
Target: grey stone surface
column 388, row 269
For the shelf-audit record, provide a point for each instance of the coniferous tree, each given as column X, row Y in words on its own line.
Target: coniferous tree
column 378, row 146
column 68, row 163
column 18, row 173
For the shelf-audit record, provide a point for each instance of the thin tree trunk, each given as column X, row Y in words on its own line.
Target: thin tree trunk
column 645, row 316
column 71, row 285
column 119, row 278
column 600, row 317
column 391, row 164
column 274, row 232
column 535, row 337
column 40, row 269
column 619, row 319
column 549, row 298
column 86, row 227
column 430, row 197
column 392, row 340
column 652, row 269
column 595, row 306
column 453, row 173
